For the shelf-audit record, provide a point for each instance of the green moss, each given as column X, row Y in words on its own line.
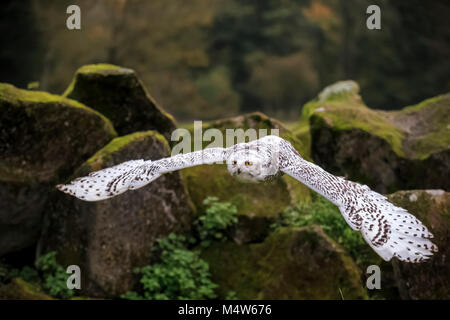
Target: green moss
column 345, row 115
column 33, row 100
column 166, row 114
column 95, row 68
column 256, row 200
column 49, row 134
column 430, row 143
column 119, row 94
column 13, row 95
column 118, row 143
column 347, row 111
column 289, row 264
column 298, row 192
column 100, row 68
column 19, row 289
column 424, row 104
column 432, row 133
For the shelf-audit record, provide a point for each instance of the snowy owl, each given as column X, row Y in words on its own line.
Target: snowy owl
column 390, row 230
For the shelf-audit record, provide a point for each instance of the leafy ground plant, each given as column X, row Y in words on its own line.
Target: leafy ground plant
column 217, row 218
column 47, row 274
column 181, row 273
column 53, row 276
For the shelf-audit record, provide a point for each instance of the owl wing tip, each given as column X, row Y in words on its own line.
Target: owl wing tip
column 63, row 187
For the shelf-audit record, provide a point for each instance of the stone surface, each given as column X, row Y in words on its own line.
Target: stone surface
column 43, row 138
column 297, row 263
column 387, row 150
column 120, row 95
column 431, row 279
column 108, row 239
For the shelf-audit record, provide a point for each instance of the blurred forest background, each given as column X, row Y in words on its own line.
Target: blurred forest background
column 210, row 58
column 204, row 60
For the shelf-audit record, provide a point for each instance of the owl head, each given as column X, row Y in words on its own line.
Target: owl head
column 245, row 165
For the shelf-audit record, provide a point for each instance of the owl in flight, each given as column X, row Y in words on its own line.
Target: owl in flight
column 390, row 230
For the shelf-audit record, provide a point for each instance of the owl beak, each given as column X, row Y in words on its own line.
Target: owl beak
column 239, row 171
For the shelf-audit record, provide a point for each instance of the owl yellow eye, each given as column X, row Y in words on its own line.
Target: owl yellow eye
column 248, row 163
column 234, row 163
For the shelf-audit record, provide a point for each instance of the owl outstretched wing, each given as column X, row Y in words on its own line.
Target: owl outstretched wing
column 134, row 174
column 390, row 230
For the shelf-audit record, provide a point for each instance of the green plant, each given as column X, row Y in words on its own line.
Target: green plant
column 231, row 295
column 217, row 218
column 181, row 274
column 322, row 212
column 53, row 275
column 8, row 272
column 47, row 274
column 28, row 274
column 4, row 273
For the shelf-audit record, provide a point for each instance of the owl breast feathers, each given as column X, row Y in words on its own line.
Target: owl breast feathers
column 390, row 230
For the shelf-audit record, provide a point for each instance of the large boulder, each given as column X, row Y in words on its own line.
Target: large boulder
column 258, row 204
column 427, row 280
column 120, row 95
column 108, row 239
column 43, row 138
column 297, row 263
column 387, row 150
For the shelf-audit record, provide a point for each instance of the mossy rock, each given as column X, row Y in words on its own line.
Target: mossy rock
column 119, row 94
column 387, row 150
column 108, row 239
column 430, row 279
column 258, row 204
column 43, row 138
column 292, row 263
column 19, row 289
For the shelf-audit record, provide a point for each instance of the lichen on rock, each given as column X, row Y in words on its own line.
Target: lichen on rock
column 108, row 239
column 339, row 89
column 119, row 94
